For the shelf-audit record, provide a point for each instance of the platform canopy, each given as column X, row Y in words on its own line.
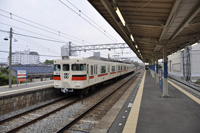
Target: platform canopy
column 150, row 24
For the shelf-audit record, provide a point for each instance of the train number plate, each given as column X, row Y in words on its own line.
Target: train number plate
column 66, row 75
column 65, row 90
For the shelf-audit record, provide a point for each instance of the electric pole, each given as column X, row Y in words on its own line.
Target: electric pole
column 10, row 60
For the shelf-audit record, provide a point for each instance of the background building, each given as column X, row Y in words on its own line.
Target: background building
column 34, row 73
column 25, row 57
column 185, row 64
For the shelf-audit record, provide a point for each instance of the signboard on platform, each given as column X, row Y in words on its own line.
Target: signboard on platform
column 21, row 76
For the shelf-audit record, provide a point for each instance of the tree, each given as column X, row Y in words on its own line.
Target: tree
column 48, row 62
column 136, row 64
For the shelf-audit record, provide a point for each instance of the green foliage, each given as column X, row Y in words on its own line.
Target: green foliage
column 4, row 79
column 198, row 81
column 136, row 64
column 48, row 62
column 4, row 71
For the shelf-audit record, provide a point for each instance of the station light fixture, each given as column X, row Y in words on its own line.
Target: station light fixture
column 132, row 37
column 136, row 46
column 138, row 51
column 194, row 44
column 120, row 16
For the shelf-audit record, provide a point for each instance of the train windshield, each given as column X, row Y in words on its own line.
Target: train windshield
column 78, row 67
column 57, row 67
column 65, row 67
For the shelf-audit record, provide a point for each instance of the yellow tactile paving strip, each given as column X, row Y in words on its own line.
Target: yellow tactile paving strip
column 131, row 123
column 185, row 92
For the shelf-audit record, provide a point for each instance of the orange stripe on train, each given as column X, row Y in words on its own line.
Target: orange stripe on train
column 56, row 78
column 76, row 77
column 102, row 75
column 91, row 77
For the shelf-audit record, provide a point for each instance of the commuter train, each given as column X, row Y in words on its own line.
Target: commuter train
column 75, row 74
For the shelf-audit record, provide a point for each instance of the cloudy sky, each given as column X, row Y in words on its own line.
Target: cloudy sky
column 57, row 20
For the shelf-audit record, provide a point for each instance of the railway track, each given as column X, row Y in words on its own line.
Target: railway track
column 77, row 120
column 185, row 84
column 29, row 117
column 23, row 122
column 192, row 90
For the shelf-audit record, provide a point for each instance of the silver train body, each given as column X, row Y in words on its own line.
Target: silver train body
column 77, row 74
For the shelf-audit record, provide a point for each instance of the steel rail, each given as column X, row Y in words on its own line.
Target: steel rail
column 62, row 129
column 41, row 117
column 29, row 111
column 184, row 84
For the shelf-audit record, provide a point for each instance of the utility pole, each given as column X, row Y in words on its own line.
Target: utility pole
column 10, row 60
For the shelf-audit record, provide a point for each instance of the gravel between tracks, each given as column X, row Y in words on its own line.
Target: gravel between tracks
column 5, row 116
column 55, row 121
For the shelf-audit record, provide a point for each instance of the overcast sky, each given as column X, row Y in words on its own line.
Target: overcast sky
column 76, row 21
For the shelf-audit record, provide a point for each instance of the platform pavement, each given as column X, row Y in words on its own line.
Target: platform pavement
column 176, row 114
column 5, row 90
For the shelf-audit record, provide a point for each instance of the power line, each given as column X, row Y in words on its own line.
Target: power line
column 57, row 31
column 24, row 30
column 90, row 19
column 24, row 53
column 86, row 20
column 39, row 45
column 45, row 39
column 58, row 34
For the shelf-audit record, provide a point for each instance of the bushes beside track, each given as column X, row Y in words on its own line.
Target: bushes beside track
column 4, row 79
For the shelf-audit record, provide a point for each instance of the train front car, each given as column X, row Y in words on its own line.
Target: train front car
column 69, row 74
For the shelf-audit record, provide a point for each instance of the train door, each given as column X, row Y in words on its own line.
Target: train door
column 88, row 73
column 66, row 76
column 91, row 75
column 95, row 72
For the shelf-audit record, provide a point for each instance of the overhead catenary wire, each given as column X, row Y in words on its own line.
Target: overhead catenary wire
column 37, row 28
column 86, row 20
column 90, row 19
column 27, row 31
column 33, row 26
column 45, row 39
column 57, row 32
column 24, row 53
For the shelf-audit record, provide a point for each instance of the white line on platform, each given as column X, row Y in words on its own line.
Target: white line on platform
column 26, row 88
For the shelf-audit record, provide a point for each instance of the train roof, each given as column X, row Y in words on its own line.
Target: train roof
column 106, row 59
column 95, row 58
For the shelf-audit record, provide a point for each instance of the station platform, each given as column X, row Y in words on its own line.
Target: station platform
column 152, row 113
column 5, row 90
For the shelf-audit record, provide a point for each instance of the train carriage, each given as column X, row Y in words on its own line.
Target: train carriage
column 74, row 74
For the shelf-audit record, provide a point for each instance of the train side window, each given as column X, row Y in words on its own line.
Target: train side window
column 118, row 68
column 87, row 68
column 103, row 69
column 78, row 67
column 113, row 68
column 121, row 68
column 65, row 67
column 96, row 70
column 91, row 70
column 108, row 68
column 57, row 67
